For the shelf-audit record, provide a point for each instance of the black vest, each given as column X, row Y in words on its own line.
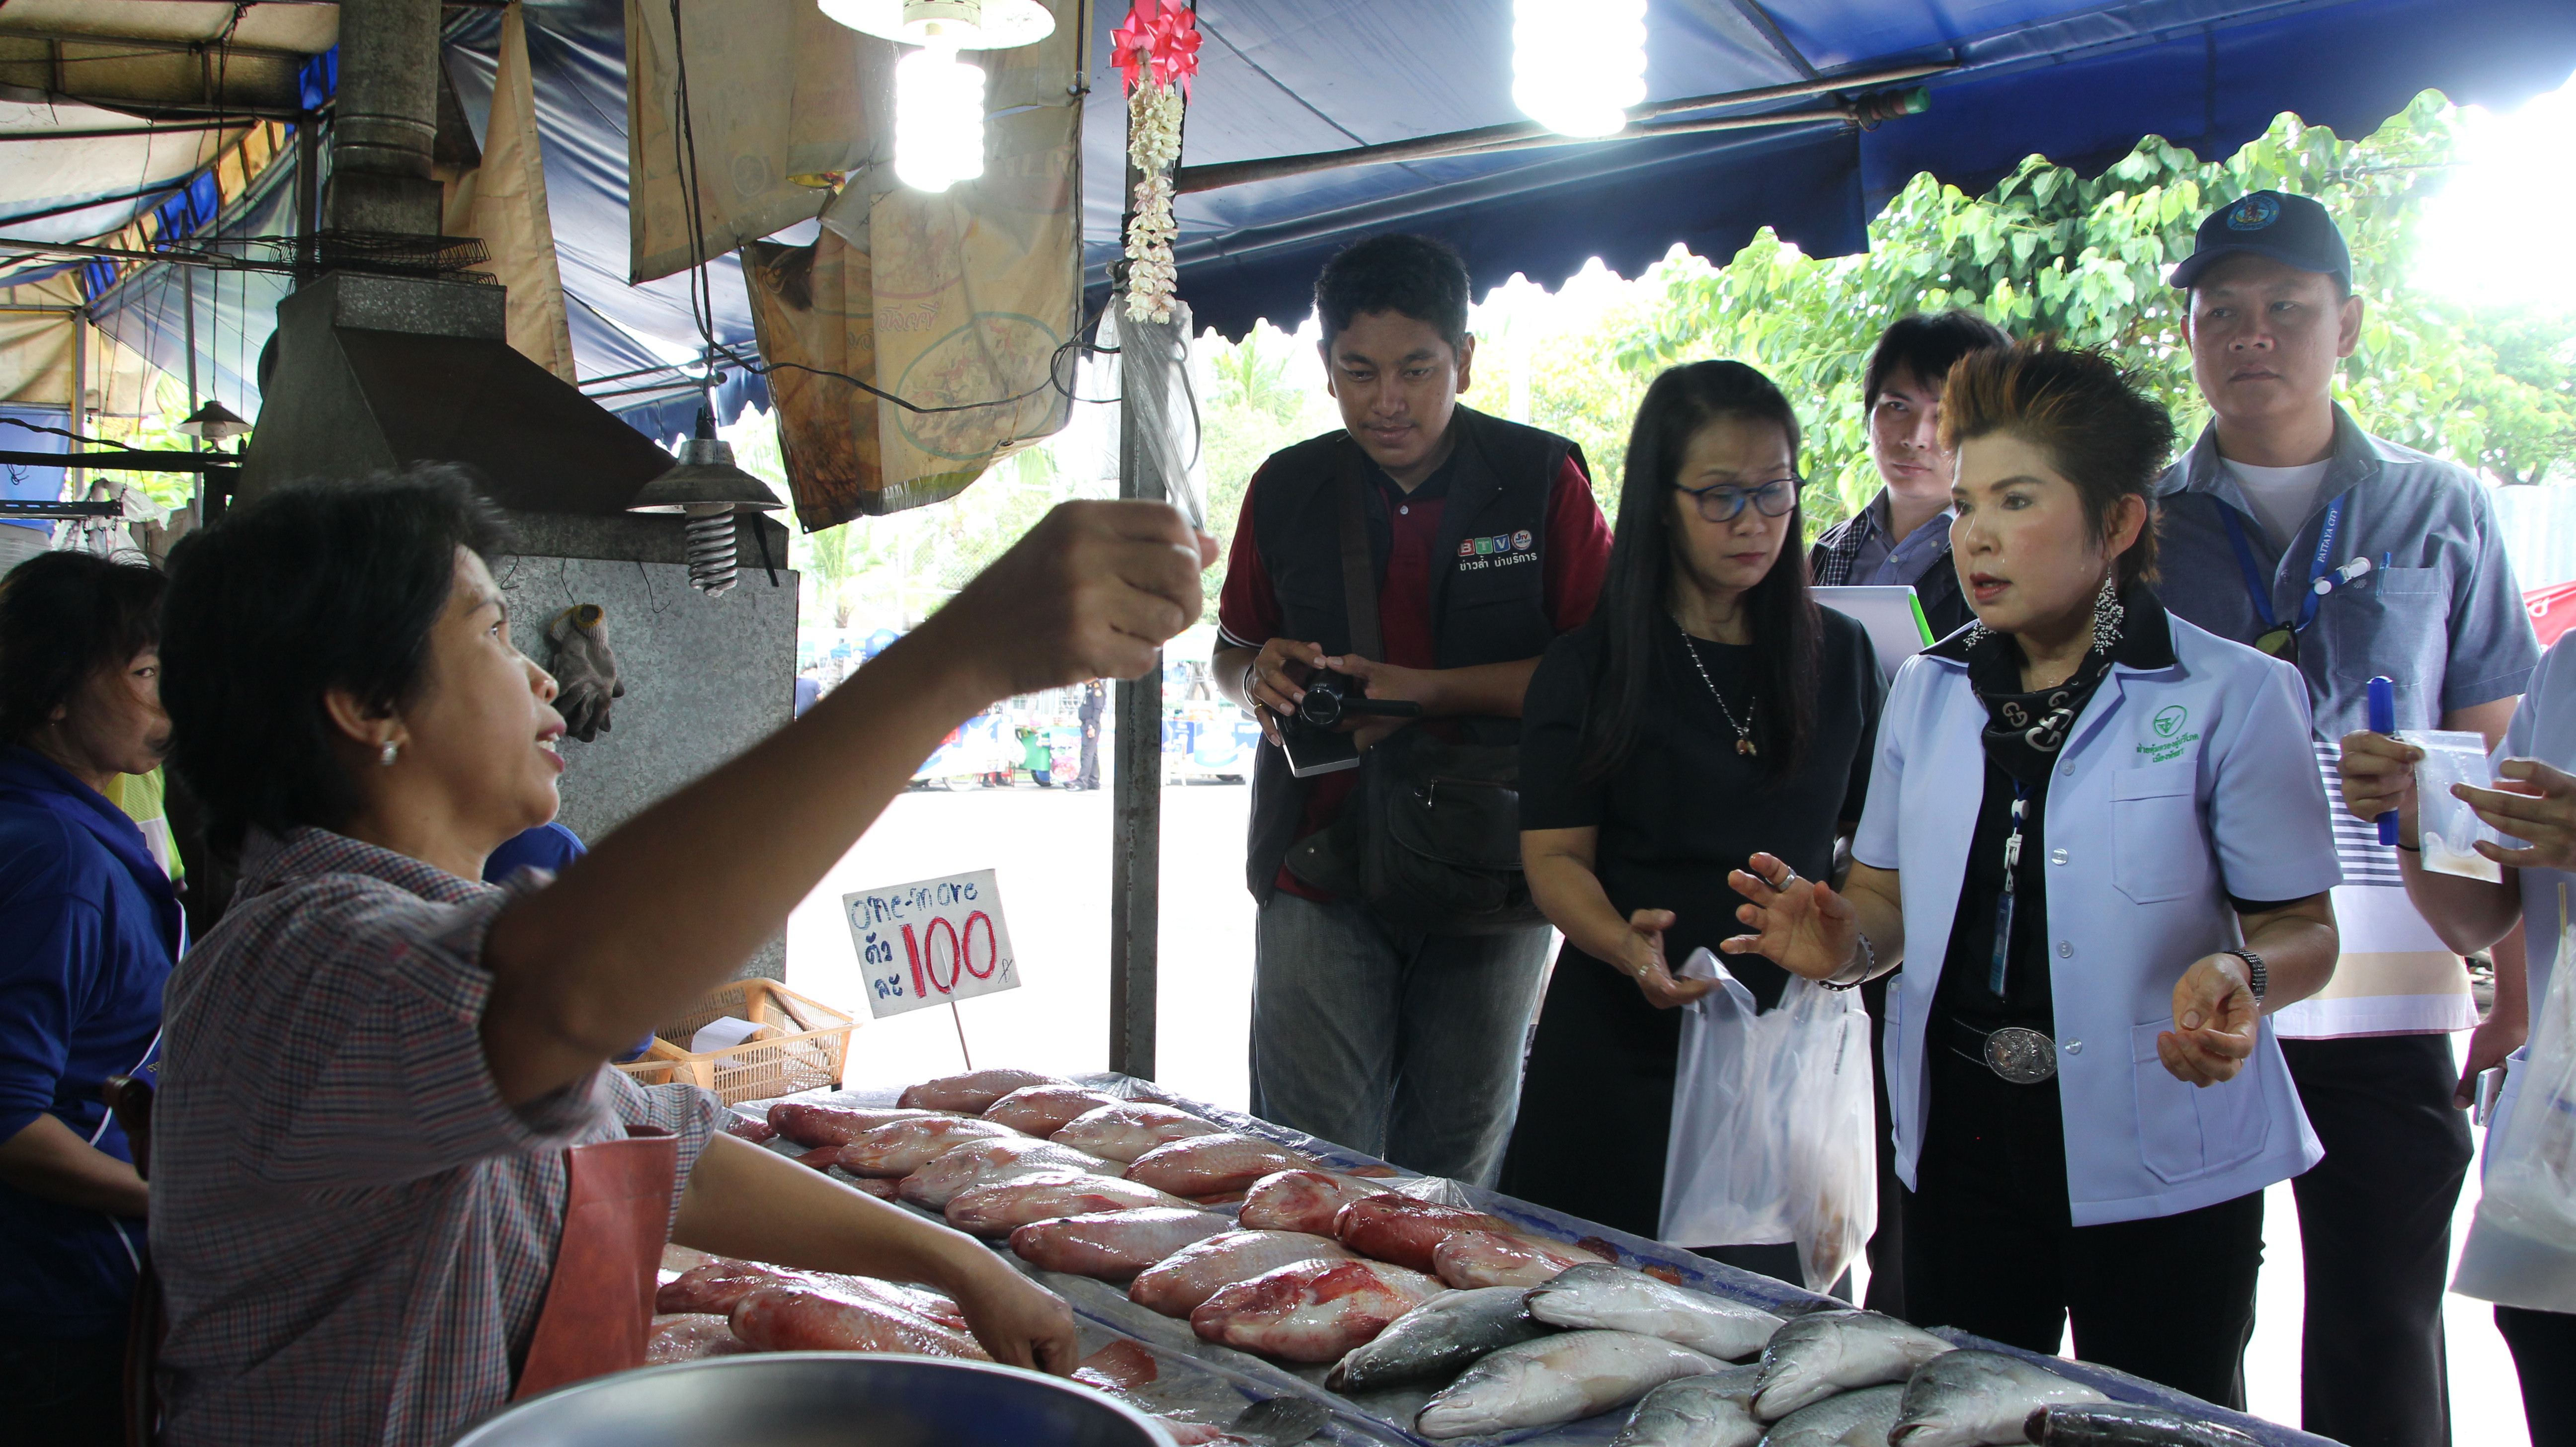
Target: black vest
column 1488, row 585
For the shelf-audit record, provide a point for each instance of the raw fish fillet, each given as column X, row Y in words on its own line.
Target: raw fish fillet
column 907, row 1145
column 974, row 1091
column 1121, row 1366
column 821, row 1158
column 1042, row 1110
column 819, row 1319
column 721, row 1284
column 1208, row 1164
column 1400, row 1229
column 811, row 1124
column 1000, row 1207
column 1113, row 1245
column 1557, row 1379
column 754, row 1131
column 1177, row 1285
column 687, row 1336
column 1125, row 1131
column 1307, row 1201
column 980, row 1161
column 1470, row 1259
column 1311, row 1311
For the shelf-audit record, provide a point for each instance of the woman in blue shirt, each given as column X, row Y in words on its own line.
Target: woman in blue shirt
column 88, row 931
column 2103, row 831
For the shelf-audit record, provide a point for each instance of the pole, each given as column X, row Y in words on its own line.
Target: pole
column 195, row 444
column 1136, row 811
column 78, row 477
column 308, row 193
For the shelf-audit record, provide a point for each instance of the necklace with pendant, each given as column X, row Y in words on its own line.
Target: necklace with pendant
column 1743, row 733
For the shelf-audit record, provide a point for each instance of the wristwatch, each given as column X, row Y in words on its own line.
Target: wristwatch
column 2257, row 978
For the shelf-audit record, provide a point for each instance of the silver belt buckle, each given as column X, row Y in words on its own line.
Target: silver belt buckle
column 2022, row 1056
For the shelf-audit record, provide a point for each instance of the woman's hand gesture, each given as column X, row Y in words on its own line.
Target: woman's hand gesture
column 1801, row 925
column 2533, row 802
column 1644, row 962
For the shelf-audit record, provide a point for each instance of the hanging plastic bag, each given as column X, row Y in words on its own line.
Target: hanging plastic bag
column 1771, row 1118
column 2522, row 1246
column 2449, row 827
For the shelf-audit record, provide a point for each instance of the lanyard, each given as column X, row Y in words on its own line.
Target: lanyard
column 2004, row 901
column 2260, row 590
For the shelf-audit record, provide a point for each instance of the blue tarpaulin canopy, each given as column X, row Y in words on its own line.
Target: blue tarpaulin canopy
column 2078, row 82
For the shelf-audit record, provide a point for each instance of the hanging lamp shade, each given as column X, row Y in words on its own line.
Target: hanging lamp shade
column 954, row 24
column 705, row 475
column 214, row 422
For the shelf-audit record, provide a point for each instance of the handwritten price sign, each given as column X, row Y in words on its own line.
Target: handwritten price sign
column 931, row 942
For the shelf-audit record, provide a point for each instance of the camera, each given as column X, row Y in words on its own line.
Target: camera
column 1331, row 698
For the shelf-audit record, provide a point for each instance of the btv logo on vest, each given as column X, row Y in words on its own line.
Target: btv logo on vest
column 1499, row 551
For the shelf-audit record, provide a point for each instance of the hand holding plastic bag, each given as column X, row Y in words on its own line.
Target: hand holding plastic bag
column 2522, row 1247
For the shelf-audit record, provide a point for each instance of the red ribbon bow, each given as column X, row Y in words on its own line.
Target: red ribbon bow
column 1159, row 38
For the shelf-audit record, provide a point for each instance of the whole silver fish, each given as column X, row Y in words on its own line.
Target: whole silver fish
column 1825, row 1352
column 2118, row 1424
column 1974, row 1399
column 1846, row 1419
column 1439, row 1339
column 1613, row 1298
column 1715, row 1410
column 1557, row 1379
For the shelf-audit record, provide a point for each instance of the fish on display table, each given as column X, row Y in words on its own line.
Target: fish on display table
column 1113, row 1245
column 721, row 1283
column 997, row 1208
column 687, row 1336
column 1975, row 1399
column 905, row 1146
column 996, row 1158
column 2119, row 1424
column 1178, row 1284
column 1042, row 1110
column 743, row 1127
column 821, row 1158
column 1824, row 1352
column 1439, row 1339
column 1208, row 1164
column 1470, row 1259
column 811, row 1123
column 1557, row 1379
column 1129, row 1129
column 973, row 1092
column 1389, row 1227
column 1311, row 1311
column 1845, row 1419
column 1617, row 1299
column 1714, row 1409
column 816, row 1318
column 1306, row 1201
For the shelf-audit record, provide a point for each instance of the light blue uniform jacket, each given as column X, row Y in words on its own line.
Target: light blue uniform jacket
column 2180, row 786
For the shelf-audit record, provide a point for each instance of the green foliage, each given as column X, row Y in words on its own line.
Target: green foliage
column 2048, row 251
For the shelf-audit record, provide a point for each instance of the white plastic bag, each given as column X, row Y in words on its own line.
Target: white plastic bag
column 1771, row 1120
column 2522, row 1246
column 2447, row 825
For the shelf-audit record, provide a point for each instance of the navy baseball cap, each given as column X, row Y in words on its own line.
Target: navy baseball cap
column 2290, row 229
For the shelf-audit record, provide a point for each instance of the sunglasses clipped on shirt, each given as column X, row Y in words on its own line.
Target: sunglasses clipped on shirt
column 1722, row 502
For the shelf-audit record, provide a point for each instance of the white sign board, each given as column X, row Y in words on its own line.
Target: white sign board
column 931, row 942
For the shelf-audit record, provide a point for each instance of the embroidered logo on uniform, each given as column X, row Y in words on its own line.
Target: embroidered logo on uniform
column 2170, row 720
column 2254, row 212
column 1522, row 542
column 1466, row 547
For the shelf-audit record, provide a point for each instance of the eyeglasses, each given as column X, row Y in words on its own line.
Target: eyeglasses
column 1722, row 502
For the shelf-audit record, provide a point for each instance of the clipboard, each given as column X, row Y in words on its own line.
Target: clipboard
column 1891, row 615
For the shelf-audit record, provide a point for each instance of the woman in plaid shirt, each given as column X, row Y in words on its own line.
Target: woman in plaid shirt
column 375, row 1062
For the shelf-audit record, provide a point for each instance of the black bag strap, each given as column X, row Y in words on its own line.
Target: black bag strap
column 1359, row 566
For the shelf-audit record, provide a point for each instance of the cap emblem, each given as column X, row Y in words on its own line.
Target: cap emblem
column 2254, row 212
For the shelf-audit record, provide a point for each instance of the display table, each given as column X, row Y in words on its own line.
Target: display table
column 1201, row 1381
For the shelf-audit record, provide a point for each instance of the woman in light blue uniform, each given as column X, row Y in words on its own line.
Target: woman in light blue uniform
column 2534, row 1287
column 2102, row 833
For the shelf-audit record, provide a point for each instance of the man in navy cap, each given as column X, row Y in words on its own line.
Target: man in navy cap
column 2290, row 528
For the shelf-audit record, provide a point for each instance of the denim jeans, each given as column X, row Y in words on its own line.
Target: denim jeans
column 1407, row 1047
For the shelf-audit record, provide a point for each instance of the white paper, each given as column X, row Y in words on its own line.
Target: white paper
column 722, row 1033
column 1892, row 616
column 931, row 942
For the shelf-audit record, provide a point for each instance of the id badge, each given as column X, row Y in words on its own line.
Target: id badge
column 2280, row 641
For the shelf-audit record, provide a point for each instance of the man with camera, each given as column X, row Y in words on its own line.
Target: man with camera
column 1390, row 589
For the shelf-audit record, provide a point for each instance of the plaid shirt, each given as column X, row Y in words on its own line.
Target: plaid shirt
column 354, row 1232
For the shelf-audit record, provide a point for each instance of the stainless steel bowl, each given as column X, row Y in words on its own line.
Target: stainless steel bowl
column 821, row 1399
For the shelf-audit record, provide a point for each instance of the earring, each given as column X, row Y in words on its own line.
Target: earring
column 385, row 755
column 2107, row 614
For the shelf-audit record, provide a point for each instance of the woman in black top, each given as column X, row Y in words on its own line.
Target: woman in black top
column 1709, row 710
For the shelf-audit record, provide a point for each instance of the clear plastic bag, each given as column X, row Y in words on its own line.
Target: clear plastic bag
column 2447, row 825
column 1771, row 1120
column 2522, row 1247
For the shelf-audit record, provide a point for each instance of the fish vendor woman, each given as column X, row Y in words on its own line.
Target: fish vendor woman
column 2101, row 830
column 396, row 1182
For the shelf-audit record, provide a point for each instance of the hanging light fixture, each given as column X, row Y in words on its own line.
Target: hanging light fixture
column 706, row 486
column 1578, row 65
column 213, row 422
column 938, row 98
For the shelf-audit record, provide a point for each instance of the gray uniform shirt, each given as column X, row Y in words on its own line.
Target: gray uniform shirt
column 2439, row 614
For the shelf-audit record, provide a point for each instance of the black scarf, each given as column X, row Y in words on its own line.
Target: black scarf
column 2026, row 728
